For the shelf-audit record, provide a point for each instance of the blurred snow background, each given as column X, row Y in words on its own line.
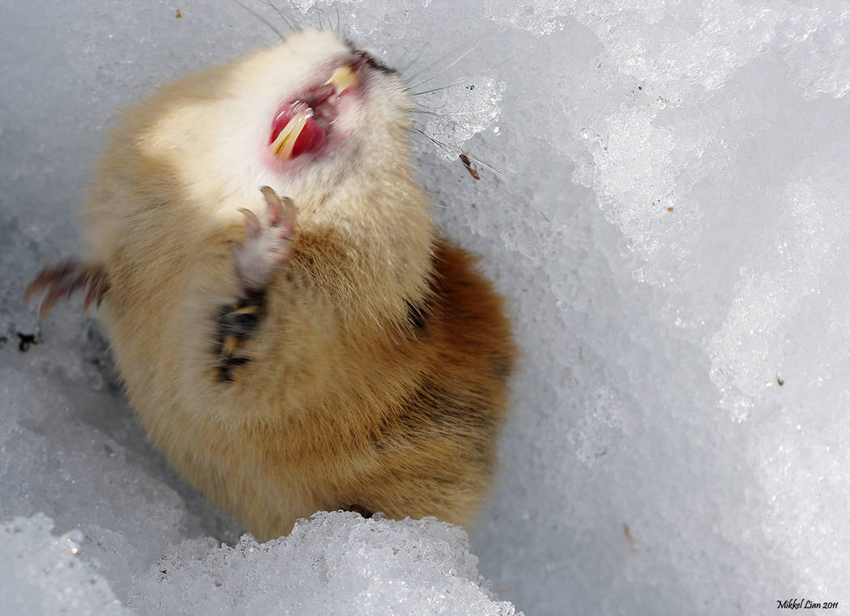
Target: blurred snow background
column 669, row 218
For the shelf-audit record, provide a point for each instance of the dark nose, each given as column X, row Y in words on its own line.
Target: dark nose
column 362, row 58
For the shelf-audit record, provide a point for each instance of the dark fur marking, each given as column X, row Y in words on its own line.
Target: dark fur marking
column 236, row 325
column 419, row 310
column 226, row 365
column 377, row 439
column 235, row 362
column 417, row 315
column 224, row 374
column 434, row 410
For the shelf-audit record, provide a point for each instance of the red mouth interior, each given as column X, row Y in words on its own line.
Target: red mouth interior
column 320, row 106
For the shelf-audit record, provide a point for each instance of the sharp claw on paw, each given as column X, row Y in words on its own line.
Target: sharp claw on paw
column 66, row 279
column 253, row 226
column 281, row 212
column 268, row 240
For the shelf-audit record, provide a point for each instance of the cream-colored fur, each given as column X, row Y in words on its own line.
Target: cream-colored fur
column 328, row 413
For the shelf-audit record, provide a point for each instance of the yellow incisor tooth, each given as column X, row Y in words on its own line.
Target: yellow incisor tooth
column 282, row 146
column 343, row 78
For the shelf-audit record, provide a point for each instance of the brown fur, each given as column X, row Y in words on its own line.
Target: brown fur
column 377, row 377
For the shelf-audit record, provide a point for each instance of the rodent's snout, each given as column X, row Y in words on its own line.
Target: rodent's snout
column 341, row 99
column 365, row 58
column 303, row 124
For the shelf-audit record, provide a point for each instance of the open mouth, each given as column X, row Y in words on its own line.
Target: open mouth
column 303, row 125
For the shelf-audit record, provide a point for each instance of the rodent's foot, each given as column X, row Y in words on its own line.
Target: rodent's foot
column 268, row 241
column 66, row 279
column 361, row 510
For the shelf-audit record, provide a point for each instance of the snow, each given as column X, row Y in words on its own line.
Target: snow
column 41, row 574
column 336, row 563
column 664, row 201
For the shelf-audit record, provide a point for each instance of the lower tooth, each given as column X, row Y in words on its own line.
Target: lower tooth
column 282, row 146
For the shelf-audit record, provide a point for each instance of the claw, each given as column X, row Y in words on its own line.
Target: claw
column 89, row 298
column 275, row 207
column 252, row 224
column 98, row 286
column 101, row 291
column 48, row 302
column 280, row 208
column 268, row 240
column 65, row 280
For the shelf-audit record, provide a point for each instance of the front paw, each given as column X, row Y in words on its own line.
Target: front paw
column 268, row 241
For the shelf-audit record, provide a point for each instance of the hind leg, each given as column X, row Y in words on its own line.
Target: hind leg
column 66, row 280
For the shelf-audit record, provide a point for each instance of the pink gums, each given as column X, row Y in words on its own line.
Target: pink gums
column 319, row 105
column 312, row 136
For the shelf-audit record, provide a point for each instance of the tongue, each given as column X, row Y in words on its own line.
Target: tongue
column 310, row 137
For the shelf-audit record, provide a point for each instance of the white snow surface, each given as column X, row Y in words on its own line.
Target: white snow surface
column 663, row 199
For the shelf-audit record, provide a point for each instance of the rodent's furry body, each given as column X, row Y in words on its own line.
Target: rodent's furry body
column 377, row 376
